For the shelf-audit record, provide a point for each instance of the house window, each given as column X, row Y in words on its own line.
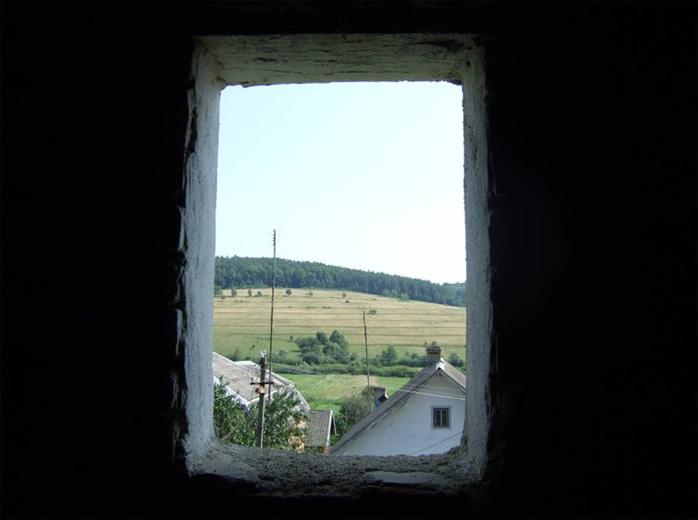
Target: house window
column 441, row 417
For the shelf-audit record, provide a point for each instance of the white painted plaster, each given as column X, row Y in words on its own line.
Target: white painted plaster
column 257, row 60
column 479, row 311
column 320, row 58
column 408, row 430
column 201, row 151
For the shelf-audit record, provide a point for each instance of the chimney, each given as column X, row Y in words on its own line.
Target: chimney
column 379, row 395
column 433, row 354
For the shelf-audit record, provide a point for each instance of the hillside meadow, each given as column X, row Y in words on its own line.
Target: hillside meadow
column 242, row 322
column 327, row 390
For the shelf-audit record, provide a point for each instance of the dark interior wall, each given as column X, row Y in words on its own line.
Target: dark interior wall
column 592, row 136
column 593, row 147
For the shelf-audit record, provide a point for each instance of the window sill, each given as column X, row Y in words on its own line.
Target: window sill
column 280, row 473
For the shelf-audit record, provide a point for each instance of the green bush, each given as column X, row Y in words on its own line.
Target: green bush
column 455, row 360
column 389, row 357
column 282, row 431
column 352, row 410
column 311, row 358
column 235, row 356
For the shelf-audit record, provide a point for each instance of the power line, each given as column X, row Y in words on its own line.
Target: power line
column 430, row 394
column 435, row 444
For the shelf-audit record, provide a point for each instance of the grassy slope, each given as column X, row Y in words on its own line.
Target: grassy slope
column 326, row 391
column 335, row 386
column 242, row 322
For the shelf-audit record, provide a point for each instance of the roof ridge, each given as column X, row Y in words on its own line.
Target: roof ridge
column 403, row 393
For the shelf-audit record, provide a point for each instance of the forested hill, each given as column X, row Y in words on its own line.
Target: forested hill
column 239, row 272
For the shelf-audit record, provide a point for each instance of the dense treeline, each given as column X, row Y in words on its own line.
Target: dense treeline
column 237, row 272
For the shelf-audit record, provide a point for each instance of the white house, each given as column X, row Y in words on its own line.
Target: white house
column 238, row 376
column 425, row 416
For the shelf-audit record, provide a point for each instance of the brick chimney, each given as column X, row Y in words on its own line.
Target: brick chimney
column 433, row 354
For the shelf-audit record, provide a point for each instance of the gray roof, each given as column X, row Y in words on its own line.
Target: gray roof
column 319, row 428
column 401, row 395
column 239, row 374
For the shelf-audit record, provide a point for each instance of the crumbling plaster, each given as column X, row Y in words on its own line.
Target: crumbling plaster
column 264, row 60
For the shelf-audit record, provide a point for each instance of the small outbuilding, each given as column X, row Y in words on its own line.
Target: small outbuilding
column 319, row 428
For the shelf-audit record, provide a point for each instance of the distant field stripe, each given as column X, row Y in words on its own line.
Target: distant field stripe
column 375, row 336
column 241, row 323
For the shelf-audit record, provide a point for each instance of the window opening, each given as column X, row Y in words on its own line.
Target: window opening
column 363, row 183
column 441, row 417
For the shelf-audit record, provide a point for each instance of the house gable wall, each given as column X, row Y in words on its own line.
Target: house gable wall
column 407, row 429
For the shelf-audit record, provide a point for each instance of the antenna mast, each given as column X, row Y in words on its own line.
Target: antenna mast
column 261, row 389
column 368, row 373
column 271, row 321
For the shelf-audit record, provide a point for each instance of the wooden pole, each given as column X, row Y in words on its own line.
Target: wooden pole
column 271, row 321
column 368, row 372
column 261, row 391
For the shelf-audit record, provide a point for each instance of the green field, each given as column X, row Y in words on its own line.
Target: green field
column 242, row 322
column 324, row 391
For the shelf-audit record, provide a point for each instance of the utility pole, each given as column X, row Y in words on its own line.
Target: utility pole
column 368, row 373
column 261, row 390
column 271, row 321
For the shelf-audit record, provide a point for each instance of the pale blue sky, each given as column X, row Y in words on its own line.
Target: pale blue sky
column 361, row 175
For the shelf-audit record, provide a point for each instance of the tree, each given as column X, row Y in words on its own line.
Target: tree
column 312, row 358
column 309, row 344
column 259, row 293
column 455, row 360
column 389, row 356
column 338, row 337
column 230, row 421
column 283, row 421
column 249, row 292
column 257, row 272
column 351, row 410
column 233, row 292
column 336, row 352
column 288, row 292
column 324, row 349
column 217, row 290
